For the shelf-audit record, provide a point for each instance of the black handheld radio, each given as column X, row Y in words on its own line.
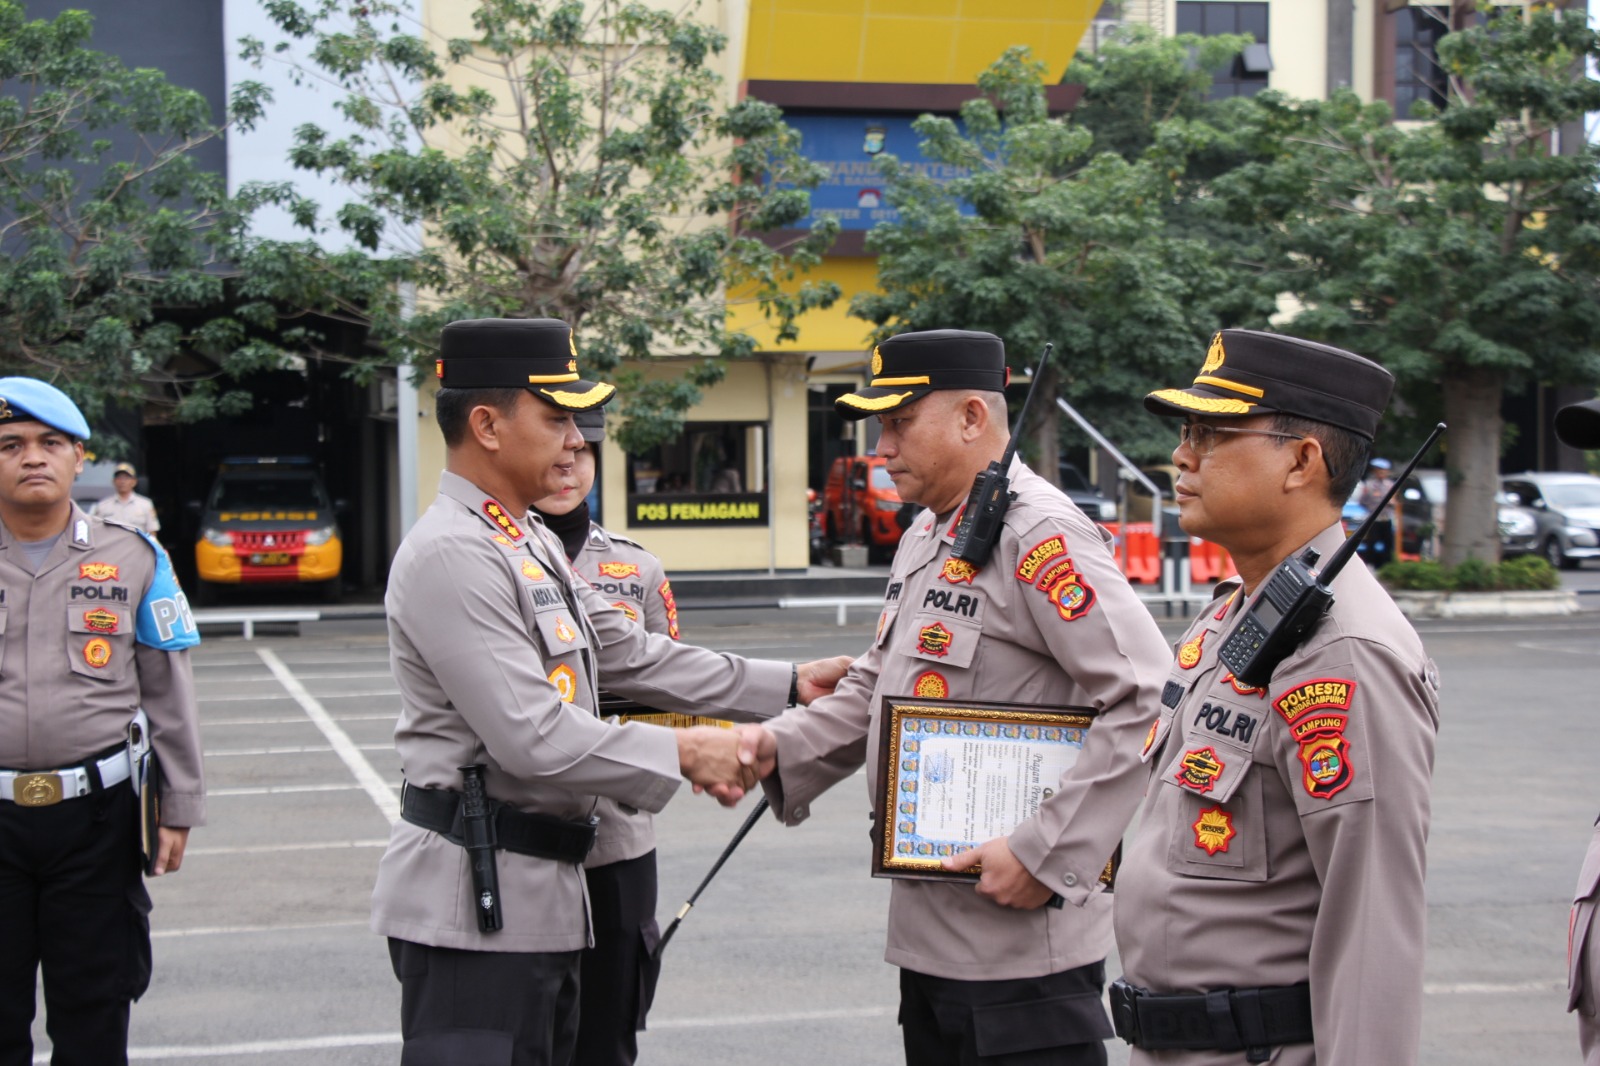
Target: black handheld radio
column 1296, row 597
column 478, row 833
column 991, row 493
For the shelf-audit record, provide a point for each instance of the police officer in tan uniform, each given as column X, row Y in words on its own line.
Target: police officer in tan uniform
column 1578, row 425
column 94, row 634
column 1271, row 907
column 125, row 505
column 498, row 649
column 988, row 973
column 619, row 973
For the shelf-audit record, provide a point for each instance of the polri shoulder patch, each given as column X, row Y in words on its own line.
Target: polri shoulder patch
column 163, row 620
column 1033, row 560
column 1321, row 694
column 671, row 603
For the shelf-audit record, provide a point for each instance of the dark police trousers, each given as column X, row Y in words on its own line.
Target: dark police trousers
column 1055, row 1020
column 619, row 976
column 485, row 1008
column 72, row 903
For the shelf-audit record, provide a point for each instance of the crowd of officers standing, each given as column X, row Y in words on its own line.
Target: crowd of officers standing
column 1269, row 908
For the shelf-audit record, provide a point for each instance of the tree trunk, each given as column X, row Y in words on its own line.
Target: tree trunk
column 1472, row 465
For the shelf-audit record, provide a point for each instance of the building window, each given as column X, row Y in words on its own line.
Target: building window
column 1247, row 74
column 715, row 474
column 1417, row 74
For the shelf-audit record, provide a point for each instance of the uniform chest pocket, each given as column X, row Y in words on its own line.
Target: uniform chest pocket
column 1224, row 839
column 941, row 639
column 99, row 641
column 559, row 630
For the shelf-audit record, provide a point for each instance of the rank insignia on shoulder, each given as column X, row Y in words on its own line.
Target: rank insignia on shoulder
column 1199, row 769
column 1189, row 654
column 532, row 570
column 1034, row 558
column 958, row 570
column 931, row 686
column 1322, row 694
column 566, row 682
column 101, row 620
column 98, row 571
column 1150, row 737
column 1214, row 830
column 497, row 515
column 620, row 569
column 97, row 653
column 1327, row 763
column 935, row 640
column 1222, row 612
column 565, row 633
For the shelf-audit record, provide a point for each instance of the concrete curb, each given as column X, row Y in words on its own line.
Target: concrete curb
column 1486, row 604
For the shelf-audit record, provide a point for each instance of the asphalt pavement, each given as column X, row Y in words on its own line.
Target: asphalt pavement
column 263, row 956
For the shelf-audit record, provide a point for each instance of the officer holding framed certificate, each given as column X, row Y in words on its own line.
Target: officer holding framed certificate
column 988, row 973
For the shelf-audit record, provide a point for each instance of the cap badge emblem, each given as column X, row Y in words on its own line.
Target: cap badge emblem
column 1214, row 356
column 877, row 361
column 5, row 408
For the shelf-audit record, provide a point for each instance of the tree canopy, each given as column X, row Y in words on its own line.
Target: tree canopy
column 569, row 160
column 115, row 243
column 1461, row 252
column 1063, row 232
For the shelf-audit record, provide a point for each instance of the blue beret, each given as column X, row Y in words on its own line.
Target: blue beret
column 29, row 399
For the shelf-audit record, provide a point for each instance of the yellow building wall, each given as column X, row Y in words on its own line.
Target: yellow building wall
column 830, row 330
column 918, row 41
column 754, row 391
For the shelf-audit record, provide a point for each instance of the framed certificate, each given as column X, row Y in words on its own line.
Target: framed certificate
column 955, row 773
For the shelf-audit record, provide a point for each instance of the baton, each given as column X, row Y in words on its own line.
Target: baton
column 749, row 823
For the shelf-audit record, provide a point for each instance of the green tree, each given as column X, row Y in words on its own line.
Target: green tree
column 571, row 160
column 1461, row 253
column 1048, row 237
column 115, row 244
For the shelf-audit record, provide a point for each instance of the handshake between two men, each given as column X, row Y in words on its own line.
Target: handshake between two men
column 727, row 763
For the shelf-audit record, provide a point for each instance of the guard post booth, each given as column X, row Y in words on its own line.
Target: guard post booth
column 728, row 494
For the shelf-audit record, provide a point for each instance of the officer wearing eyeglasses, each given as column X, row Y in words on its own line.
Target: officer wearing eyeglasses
column 1270, row 907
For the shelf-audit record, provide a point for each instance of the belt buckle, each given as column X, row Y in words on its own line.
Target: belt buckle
column 37, row 790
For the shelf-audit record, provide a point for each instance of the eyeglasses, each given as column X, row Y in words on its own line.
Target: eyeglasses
column 1201, row 437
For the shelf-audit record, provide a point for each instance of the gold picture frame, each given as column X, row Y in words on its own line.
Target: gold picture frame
column 952, row 773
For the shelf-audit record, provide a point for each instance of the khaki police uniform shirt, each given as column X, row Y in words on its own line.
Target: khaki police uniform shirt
column 136, row 511
column 1284, row 832
column 100, row 630
column 1583, row 954
column 1048, row 621
column 497, row 649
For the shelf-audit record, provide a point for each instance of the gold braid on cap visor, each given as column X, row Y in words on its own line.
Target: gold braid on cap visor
column 878, row 403
column 581, row 400
column 1210, row 405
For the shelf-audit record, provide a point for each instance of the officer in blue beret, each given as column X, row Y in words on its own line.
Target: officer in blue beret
column 95, row 635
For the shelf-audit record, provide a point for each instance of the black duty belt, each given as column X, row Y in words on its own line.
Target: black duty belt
column 1252, row 1020
column 539, row 835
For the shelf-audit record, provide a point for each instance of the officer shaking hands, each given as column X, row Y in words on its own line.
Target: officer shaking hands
column 1271, row 904
column 498, row 650
column 988, row 973
column 1578, row 426
column 95, row 636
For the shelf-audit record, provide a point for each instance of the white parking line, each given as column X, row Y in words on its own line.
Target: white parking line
column 319, row 1043
column 310, row 750
column 265, row 697
column 371, row 781
column 234, row 679
column 267, row 849
column 1474, row 988
column 232, row 930
column 213, row 724
column 275, row 790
